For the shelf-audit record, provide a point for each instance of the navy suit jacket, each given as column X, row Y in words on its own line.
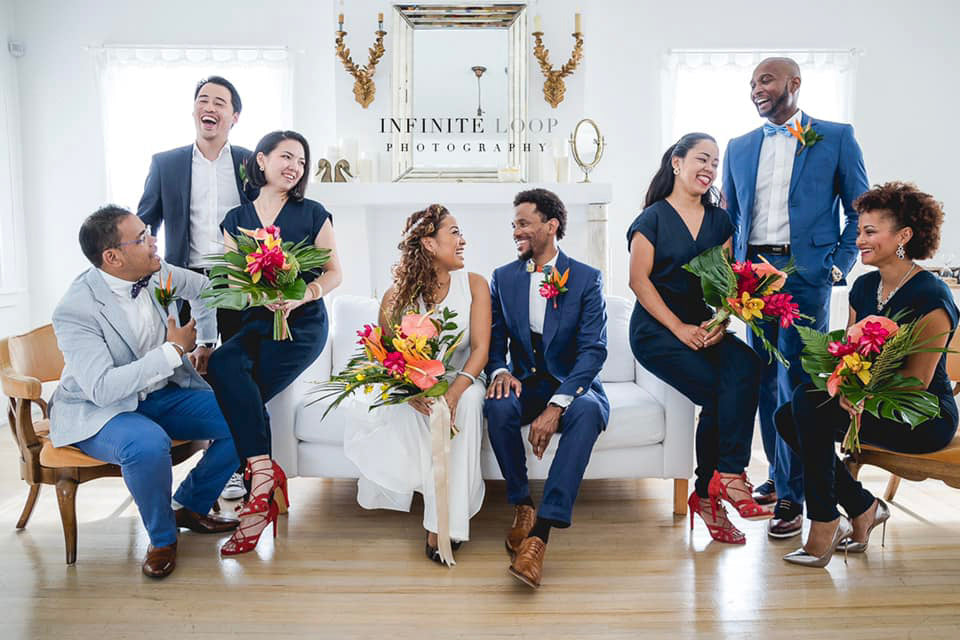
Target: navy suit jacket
column 166, row 198
column 824, row 175
column 574, row 334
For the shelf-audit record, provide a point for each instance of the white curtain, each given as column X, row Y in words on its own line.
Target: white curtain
column 147, row 98
column 709, row 90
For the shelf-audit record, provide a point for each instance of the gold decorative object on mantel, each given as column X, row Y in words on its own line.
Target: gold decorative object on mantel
column 580, row 143
column 363, row 87
column 553, row 87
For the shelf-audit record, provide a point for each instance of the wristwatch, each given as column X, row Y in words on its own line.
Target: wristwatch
column 836, row 274
column 563, row 410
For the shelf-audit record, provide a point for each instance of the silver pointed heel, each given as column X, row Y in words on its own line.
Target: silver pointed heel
column 881, row 517
column 801, row 557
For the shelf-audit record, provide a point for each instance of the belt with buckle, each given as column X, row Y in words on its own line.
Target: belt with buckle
column 770, row 249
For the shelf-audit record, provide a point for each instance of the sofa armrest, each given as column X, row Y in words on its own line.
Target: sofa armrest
column 679, row 427
column 283, row 412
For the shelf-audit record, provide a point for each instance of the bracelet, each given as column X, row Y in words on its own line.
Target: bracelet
column 319, row 290
column 473, row 378
column 179, row 349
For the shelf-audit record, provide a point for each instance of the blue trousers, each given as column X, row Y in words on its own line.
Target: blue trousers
column 139, row 442
column 778, row 382
column 580, row 426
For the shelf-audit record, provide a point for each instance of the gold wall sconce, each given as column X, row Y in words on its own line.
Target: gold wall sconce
column 364, row 89
column 553, row 86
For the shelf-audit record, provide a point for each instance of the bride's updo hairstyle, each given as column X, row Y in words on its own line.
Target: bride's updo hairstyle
column 414, row 276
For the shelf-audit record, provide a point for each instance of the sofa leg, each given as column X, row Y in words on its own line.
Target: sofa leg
column 680, row 496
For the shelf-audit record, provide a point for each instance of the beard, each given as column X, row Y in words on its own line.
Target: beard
column 525, row 255
column 777, row 104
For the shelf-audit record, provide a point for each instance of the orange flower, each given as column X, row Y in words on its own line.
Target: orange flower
column 835, row 380
column 797, row 133
column 418, row 325
column 374, row 346
column 424, row 373
column 764, row 269
column 558, row 280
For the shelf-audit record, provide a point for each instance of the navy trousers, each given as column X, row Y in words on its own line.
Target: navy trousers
column 580, row 426
column 778, row 383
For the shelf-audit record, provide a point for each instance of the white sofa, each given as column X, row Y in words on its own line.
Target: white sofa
column 650, row 434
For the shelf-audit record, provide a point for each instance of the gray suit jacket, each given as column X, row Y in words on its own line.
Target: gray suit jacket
column 102, row 374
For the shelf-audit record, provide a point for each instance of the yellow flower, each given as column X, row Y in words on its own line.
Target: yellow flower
column 368, row 388
column 360, row 377
column 748, row 307
column 858, row 366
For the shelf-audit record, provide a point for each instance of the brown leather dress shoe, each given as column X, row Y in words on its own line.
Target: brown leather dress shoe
column 160, row 561
column 785, row 528
column 527, row 566
column 765, row 493
column 523, row 518
column 187, row 519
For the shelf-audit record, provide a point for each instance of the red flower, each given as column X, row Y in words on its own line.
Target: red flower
column 781, row 305
column 395, row 363
column 874, row 335
column 747, row 280
column 265, row 262
column 549, row 291
column 838, row 349
column 364, row 333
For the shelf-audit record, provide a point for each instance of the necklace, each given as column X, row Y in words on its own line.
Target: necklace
column 881, row 300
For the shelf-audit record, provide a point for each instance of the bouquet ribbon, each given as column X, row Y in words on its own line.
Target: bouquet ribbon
column 440, row 447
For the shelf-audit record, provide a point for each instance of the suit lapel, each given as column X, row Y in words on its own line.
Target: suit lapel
column 799, row 160
column 110, row 310
column 552, row 318
column 519, row 297
column 237, row 161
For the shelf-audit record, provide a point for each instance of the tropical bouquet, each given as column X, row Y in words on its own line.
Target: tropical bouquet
column 410, row 364
column 748, row 290
column 262, row 270
column 862, row 363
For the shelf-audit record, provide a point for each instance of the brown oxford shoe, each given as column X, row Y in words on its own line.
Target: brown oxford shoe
column 187, row 519
column 523, row 518
column 160, row 561
column 527, row 566
column 766, row 493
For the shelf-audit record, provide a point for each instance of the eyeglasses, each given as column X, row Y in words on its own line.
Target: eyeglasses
column 141, row 238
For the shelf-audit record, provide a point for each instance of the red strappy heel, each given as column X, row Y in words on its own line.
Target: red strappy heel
column 725, row 532
column 280, row 493
column 263, row 502
column 748, row 508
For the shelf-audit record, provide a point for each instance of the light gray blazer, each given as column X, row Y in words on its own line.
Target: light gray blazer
column 102, row 373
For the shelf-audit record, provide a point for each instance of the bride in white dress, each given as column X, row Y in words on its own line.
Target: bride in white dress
column 391, row 445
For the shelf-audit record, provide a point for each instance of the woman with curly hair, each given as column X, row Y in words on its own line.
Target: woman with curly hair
column 898, row 224
column 391, row 445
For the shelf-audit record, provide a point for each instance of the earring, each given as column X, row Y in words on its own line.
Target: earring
column 261, row 167
column 900, row 252
column 676, row 171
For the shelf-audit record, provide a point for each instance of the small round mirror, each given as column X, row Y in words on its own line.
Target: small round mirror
column 586, row 144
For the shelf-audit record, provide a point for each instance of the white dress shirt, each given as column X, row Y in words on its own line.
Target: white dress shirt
column 147, row 326
column 771, row 212
column 538, row 311
column 213, row 192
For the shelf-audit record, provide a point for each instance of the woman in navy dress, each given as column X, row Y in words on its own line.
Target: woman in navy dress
column 668, row 332
column 251, row 367
column 898, row 224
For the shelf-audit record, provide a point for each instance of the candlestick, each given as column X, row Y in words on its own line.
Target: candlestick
column 537, row 23
column 340, row 20
column 576, row 23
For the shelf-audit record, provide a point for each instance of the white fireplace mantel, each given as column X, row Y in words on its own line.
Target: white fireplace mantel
column 369, row 218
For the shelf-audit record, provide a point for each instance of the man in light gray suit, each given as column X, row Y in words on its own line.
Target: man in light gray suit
column 130, row 383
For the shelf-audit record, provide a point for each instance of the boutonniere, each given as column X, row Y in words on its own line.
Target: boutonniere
column 243, row 174
column 166, row 295
column 805, row 135
column 554, row 284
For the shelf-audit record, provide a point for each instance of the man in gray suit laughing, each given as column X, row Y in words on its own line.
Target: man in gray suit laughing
column 130, row 385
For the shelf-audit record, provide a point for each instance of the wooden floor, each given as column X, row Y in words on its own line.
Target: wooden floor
column 626, row 569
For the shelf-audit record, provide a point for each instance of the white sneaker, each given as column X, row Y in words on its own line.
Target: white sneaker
column 234, row 490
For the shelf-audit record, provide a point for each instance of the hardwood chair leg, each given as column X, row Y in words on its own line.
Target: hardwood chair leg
column 67, row 499
column 28, row 507
column 892, row 485
column 680, row 496
column 852, row 466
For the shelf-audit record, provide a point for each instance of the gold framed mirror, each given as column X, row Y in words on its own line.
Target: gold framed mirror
column 585, row 140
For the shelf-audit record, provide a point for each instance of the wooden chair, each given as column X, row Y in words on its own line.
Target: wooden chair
column 26, row 362
column 942, row 465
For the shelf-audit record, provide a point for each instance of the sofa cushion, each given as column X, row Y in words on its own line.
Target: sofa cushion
column 619, row 366
column 350, row 313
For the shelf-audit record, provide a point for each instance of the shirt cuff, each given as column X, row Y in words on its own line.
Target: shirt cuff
column 561, row 400
column 493, row 376
column 171, row 354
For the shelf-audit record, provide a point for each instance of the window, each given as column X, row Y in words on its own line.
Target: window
column 11, row 219
column 147, row 97
column 708, row 90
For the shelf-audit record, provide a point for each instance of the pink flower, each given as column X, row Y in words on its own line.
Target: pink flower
column 549, row 291
column 395, row 363
column 425, row 373
column 874, row 335
column 781, row 305
column 838, row 349
column 747, row 280
column 416, row 325
column 364, row 333
column 855, row 332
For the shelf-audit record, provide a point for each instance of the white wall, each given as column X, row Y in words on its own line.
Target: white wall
column 906, row 90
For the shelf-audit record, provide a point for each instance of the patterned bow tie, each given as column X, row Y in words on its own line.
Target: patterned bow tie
column 534, row 267
column 138, row 285
column 771, row 130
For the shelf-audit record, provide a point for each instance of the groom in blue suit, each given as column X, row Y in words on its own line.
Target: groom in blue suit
column 556, row 341
column 784, row 196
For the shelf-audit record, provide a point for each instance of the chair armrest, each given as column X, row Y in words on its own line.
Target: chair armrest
column 679, row 427
column 19, row 386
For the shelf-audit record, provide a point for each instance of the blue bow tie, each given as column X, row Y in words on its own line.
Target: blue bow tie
column 138, row 286
column 771, row 130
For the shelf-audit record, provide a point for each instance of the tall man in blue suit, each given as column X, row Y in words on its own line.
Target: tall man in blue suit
column 190, row 189
column 556, row 346
column 784, row 198
column 129, row 385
